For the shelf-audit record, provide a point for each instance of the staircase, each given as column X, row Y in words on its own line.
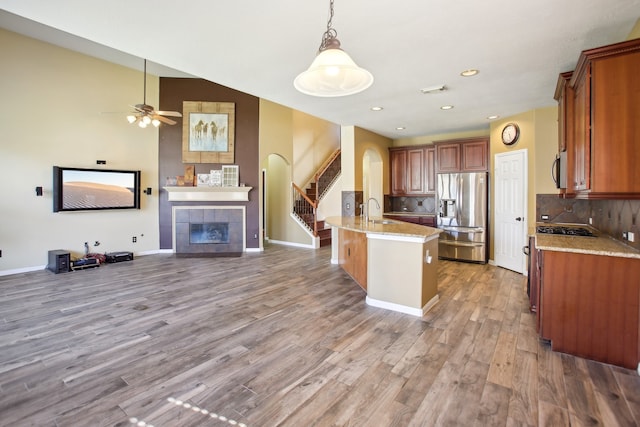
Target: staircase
column 308, row 217
column 306, row 202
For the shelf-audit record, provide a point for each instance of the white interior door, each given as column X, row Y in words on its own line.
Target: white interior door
column 510, row 210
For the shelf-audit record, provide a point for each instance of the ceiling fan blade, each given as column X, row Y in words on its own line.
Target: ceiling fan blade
column 169, row 113
column 164, row 119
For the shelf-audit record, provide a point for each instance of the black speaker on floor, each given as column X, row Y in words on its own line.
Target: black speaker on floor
column 59, row 261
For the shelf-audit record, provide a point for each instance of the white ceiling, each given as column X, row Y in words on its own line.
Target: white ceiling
column 259, row 47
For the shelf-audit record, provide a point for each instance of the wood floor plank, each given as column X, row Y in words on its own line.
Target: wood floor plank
column 494, row 406
column 503, row 362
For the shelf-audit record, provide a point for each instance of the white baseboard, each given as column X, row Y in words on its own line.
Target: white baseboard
column 418, row 312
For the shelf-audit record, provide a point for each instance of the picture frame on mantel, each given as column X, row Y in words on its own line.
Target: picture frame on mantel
column 208, row 132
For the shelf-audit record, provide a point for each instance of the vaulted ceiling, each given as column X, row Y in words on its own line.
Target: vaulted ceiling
column 259, row 47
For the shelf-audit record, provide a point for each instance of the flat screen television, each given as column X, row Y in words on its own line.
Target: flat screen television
column 76, row 189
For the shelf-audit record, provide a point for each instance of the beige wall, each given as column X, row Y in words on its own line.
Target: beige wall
column 635, row 32
column 366, row 140
column 51, row 114
column 430, row 139
column 539, row 136
column 289, row 137
column 314, row 140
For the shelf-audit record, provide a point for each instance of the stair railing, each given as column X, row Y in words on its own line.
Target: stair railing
column 327, row 174
column 303, row 207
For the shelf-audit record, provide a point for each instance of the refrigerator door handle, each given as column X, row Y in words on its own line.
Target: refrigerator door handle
column 460, row 199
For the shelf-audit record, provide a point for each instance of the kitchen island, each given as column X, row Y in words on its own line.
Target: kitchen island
column 395, row 262
column 588, row 296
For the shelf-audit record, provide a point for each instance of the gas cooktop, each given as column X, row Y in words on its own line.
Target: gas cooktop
column 567, row 231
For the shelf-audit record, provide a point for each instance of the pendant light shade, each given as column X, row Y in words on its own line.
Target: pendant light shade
column 332, row 72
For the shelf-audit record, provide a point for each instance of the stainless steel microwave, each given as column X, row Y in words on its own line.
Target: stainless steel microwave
column 559, row 170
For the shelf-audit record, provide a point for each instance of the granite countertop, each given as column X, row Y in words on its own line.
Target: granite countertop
column 397, row 228
column 598, row 245
column 405, row 213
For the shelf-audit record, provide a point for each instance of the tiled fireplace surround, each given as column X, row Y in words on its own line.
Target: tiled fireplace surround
column 611, row 217
column 183, row 216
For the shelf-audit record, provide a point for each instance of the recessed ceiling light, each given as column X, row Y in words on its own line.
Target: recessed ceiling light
column 376, row 108
column 400, row 128
column 446, row 107
column 492, row 117
column 470, row 72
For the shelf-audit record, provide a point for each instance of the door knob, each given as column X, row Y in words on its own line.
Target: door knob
column 519, row 219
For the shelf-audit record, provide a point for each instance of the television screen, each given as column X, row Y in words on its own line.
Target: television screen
column 76, row 189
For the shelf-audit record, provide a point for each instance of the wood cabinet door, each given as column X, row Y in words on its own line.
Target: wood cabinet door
column 582, row 134
column 430, row 170
column 398, row 162
column 590, row 306
column 475, row 156
column 615, row 131
column 415, row 171
column 352, row 255
column 448, row 158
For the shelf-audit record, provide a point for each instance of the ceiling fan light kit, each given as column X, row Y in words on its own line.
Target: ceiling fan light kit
column 145, row 114
column 332, row 73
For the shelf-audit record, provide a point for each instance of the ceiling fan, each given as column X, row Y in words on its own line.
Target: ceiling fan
column 145, row 114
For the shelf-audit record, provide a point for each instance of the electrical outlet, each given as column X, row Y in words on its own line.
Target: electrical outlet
column 134, row 239
column 544, row 217
column 631, row 237
column 590, row 221
column 624, row 235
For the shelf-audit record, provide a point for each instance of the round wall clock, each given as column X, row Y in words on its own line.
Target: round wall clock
column 510, row 133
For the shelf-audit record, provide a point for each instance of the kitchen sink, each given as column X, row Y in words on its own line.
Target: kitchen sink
column 383, row 221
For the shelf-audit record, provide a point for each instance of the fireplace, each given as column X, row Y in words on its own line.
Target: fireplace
column 209, row 230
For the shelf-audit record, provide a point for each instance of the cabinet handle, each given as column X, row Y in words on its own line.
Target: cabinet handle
column 519, row 218
column 348, row 251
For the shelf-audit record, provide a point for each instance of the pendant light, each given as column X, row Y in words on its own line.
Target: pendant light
column 332, row 72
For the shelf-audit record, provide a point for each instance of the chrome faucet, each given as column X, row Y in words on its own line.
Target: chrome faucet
column 366, row 208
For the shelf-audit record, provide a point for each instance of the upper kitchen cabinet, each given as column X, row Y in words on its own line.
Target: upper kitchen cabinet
column 603, row 131
column 412, row 170
column 462, row 155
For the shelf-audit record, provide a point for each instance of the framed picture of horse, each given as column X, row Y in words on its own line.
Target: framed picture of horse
column 208, row 130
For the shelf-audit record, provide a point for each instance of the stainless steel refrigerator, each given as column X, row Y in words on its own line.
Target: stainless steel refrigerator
column 462, row 214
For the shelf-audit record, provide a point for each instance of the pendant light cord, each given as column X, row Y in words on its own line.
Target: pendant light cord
column 329, row 38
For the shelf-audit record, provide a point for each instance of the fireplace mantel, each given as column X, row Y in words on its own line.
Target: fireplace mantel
column 208, row 194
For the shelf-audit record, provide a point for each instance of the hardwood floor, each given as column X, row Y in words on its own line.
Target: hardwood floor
column 284, row 338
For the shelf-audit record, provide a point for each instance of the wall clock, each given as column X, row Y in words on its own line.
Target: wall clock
column 510, row 133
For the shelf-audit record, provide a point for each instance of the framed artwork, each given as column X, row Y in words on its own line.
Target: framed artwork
column 230, row 176
column 208, row 130
column 215, row 178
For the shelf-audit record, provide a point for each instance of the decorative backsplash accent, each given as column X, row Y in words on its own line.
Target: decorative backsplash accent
column 351, row 201
column 412, row 204
column 611, row 217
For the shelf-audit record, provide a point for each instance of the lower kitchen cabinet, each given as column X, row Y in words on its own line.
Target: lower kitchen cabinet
column 589, row 306
column 429, row 221
column 352, row 255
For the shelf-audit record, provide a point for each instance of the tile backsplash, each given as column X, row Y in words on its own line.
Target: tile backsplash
column 612, row 217
column 423, row 205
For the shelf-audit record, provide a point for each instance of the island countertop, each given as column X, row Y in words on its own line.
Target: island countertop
column 384, row 226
